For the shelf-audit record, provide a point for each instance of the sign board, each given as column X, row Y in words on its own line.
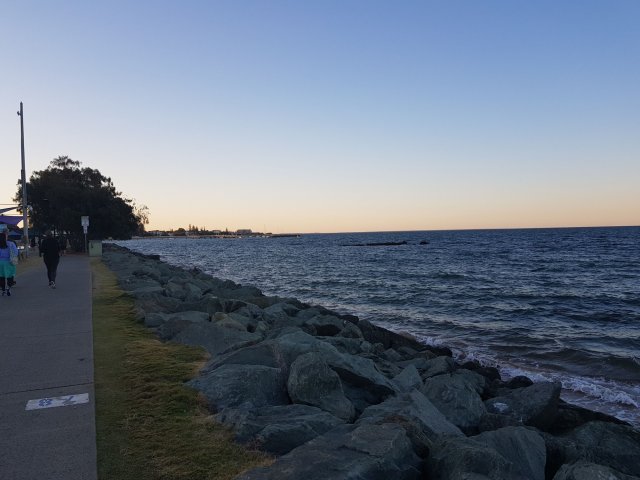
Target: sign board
column 84, row 221
column 84, row 228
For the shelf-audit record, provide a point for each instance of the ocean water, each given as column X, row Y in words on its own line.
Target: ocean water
column 552, row 304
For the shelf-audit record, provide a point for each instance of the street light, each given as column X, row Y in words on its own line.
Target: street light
column 25, row 225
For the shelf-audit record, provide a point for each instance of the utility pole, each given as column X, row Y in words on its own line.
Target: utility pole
column 25, row 225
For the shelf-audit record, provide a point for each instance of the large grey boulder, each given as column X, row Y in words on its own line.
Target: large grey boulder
column 242, row 386
column 151, row 302
column 349, row 330
column 183, row 287
column 536, row 405
column 262, row 353
column 279, row 429
column 456, row 397
column 139, row 286
column 439, row 366
column 459, row 458
column 312, row 382
column 374, row 334
column 590, row 471
column 325, row 325
column 281, row 314
column 352, row 346
column 155, row 319
column 522, row 446
column 150, row 271
column 354, row 370
column 364, row 452
column 213, row 338
column 608, row 444
column 362, row 382
column 407, row 380
column 206, row 303
column 422, row 421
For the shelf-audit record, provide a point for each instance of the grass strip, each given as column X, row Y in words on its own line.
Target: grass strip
column 149, row 425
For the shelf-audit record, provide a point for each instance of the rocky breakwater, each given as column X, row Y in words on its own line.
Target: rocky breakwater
column 335, row 397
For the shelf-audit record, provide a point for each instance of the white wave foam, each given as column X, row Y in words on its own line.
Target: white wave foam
column 595, row 388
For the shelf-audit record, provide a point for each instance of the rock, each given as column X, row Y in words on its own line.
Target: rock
column 357, row 371
column 456, row 397
column 152, row 302
column 523, row 447
column 407, row 380
column 138, row 286
column 232, row 321
column 439, row 366
column 391, row 355
column 572, row 416
column 350, row 331
column 347, row 453
column 171, row 324
column 352, row 346
column 279, row 429
column 207, row 303
column 494, row 421
column 215, row 339
column 473, row 379
column 148, row 271
column 464, row 458
column 325, row 325
column 250, row 310
column 422, row 364
column 175, row 290
column 609, row 444
column 153, row 320
column 416, row 414
column 407, row 352
column 491, row 373
column 536, row 405
column 363, row 384
column 439, row 350
column 427, row 354
column 519, row 381
column 281, row 314
column 590, row 471
column 242, row 386
column 312, row 382
column 260, row 353
column 374, row 334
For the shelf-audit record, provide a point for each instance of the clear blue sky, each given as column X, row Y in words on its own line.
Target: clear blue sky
column 334, row 115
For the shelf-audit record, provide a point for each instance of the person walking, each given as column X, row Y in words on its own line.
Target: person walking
column 8, row 261
column 50, row 251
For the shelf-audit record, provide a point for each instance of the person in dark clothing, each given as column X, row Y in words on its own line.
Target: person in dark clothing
column 50, row 251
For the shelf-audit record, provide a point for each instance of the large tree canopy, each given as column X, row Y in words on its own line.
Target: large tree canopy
column 64, row 192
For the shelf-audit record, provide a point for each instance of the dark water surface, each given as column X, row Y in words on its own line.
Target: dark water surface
column 555, row 304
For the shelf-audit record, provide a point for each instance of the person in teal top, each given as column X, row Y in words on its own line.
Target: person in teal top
column 8, row 250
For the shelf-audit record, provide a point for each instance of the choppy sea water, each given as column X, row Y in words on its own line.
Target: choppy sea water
column 552, row 304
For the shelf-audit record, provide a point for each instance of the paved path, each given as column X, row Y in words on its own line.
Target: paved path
column 46, row 351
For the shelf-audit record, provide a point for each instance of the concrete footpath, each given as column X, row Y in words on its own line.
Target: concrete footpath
column 47, row 410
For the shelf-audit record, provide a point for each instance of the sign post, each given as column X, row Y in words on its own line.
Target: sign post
column 84, row 220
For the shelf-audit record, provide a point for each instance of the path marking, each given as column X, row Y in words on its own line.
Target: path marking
column 50, row 402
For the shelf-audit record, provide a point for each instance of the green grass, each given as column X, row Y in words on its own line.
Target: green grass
column 149, row 425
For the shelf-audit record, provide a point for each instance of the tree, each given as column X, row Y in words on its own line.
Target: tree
column 64, row 192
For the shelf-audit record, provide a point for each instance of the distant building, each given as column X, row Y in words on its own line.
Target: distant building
column 244, row 231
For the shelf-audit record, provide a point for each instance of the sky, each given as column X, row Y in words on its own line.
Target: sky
column 333, row 116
